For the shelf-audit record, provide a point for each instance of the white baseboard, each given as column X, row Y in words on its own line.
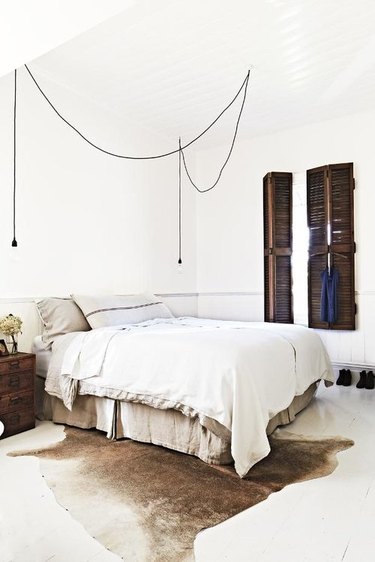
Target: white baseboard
column 354, row 367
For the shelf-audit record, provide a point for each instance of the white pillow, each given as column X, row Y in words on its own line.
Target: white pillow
column 60, row 316
column 113, row 310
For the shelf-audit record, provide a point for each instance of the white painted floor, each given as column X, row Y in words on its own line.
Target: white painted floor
column 326, row 520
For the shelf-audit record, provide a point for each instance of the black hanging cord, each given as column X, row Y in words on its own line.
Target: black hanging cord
column 243, row 85
column 14, row 241
column 181, row 155
column 179, row 203
column 230, row 150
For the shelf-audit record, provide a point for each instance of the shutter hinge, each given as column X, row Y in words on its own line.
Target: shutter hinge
column 354, row 247
column 353, row 184
column 355, row 308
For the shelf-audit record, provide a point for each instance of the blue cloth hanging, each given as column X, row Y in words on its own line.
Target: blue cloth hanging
column 329, row 295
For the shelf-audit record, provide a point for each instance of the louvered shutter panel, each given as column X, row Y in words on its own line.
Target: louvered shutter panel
column 317, row 220
column 277, row 209
column 341, row 182
column 331, row 222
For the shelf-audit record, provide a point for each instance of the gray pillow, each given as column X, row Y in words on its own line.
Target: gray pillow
column 113, row 310
column 60, row 316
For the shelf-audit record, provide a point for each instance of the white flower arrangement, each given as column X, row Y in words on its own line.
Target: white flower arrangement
column 10, row 325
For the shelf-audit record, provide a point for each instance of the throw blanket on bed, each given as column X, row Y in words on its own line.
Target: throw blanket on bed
column 239, row 374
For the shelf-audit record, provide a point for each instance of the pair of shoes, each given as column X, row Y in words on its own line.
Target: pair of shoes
column 345, row 377
column 366, row 380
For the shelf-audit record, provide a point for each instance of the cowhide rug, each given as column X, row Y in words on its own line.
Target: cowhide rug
column 146, row 503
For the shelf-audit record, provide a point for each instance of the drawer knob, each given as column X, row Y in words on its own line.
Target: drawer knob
column 13, row 365
column 15, row 400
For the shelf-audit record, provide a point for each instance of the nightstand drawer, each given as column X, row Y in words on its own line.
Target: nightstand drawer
column 15, row 422
column 16, row 364
column 16, row 401
column 14, row 382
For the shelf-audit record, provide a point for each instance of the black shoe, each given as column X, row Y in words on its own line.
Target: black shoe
column 341, row 377
column 370, row 380
column 362, row 380
column 348, row 378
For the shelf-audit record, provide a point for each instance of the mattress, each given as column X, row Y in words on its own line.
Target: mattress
column 43, row 354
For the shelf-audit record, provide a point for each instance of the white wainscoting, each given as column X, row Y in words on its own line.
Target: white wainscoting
column 355, row 348
column 181, row 304
column 231, row 306
column 352, row 349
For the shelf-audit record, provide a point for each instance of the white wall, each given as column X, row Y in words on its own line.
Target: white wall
column 86, row 222
column 230, row 223
column 89, row 223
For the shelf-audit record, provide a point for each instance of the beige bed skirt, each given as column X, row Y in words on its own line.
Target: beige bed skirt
column 168, row 428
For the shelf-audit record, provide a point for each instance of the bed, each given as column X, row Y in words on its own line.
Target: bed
column 210, row 388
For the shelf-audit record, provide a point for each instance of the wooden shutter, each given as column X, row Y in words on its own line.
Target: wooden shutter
column 317, row 221
column 277, row 210
column 331, row 224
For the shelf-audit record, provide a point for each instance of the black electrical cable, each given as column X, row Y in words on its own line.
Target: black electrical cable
column 244, row 84
column 14, row 241
column 230, row 150
column 179, row 204
column 181, row 155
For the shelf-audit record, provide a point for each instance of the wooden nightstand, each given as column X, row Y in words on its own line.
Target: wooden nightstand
column 17, row 374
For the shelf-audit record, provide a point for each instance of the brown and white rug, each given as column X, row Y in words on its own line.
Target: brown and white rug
column 146, row 503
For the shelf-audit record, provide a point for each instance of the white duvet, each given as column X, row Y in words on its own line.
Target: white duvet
column 240, row 374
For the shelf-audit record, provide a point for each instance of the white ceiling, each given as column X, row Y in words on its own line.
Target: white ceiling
column 172, row 65
column 29, row 29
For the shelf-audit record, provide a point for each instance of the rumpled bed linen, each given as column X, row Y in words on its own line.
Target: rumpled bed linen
column 240, row 374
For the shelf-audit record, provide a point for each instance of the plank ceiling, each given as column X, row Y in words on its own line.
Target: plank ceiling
column 173, row 65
